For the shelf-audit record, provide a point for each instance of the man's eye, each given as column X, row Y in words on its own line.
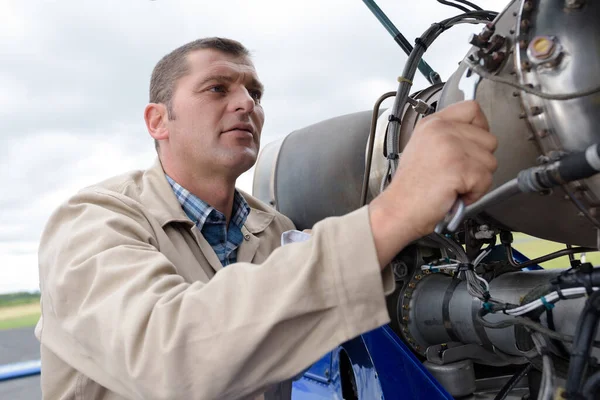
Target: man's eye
column 256, row 95
column 218, row 89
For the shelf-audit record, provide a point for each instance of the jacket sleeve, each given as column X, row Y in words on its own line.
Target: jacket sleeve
column 115, row 309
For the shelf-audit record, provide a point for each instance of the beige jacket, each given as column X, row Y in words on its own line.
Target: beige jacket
column 136, row 305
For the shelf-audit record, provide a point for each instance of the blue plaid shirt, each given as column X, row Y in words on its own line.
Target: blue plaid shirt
column 212, row 223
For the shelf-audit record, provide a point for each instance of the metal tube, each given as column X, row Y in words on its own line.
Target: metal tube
column 547, row 257
column 367, row 174
column 424, row 68
column 497, row 195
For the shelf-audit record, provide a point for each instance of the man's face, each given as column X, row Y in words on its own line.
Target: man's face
column 217, row 114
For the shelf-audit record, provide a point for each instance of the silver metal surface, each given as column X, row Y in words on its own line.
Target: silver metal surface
column 457, row 378
column 551, row 216
column 442, row 311
column 453, row 218
column 263, row 184
column 468, row 84
column 317, row 171
column 451, row 352
column 573, row 65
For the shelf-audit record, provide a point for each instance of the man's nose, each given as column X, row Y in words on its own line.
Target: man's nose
column 243, row 101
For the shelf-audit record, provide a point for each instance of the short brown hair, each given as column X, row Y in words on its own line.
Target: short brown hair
column 174, row 65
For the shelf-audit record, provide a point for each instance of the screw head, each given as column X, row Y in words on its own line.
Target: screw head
column 542, row 47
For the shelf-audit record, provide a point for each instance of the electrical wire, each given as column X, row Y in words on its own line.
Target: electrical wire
column 421, row 45
column 548, row 299
column 584, row 337
column 591, row 386
column 468, row 3
column 527, row 323
column 498, row 79
column 547, row 384
column 512, row 382
column 451, row 4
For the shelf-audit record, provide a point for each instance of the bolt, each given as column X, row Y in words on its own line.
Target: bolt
column 487, row 32
column 496, row 43
column 412, row 285
column 528, row 6
column 407, row 295
column 418, row 277
column 477, row 41
column 405, row 318
column 525, row 25
column 535, row 110
column 492, row 63
column 523, row 44
column 526, row 66
column 418, row 348
column 427, row 272
column 405, row 307
column 542, row 47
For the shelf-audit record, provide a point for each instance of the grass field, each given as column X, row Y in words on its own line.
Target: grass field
column 17, row 315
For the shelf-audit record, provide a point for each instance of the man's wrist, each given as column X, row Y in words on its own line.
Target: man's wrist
column 391, row 228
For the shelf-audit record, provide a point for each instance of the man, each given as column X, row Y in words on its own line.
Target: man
column 169, row 284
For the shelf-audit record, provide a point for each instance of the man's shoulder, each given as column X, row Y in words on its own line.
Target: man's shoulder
column 128, row 184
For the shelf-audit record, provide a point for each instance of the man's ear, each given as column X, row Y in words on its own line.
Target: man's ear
column 156, row 118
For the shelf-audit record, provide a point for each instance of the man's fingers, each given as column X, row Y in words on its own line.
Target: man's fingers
column 463, row 132
column 478, row 182
column 480, row 155
column 466, row 112
column 476, row 135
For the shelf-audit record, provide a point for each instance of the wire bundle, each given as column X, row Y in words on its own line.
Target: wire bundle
column 408, row 74
column 465, row 2
column 549, row 300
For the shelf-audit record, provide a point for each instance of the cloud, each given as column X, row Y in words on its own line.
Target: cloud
column 75, row 75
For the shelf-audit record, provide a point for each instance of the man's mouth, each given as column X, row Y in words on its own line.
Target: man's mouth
column 242, row 127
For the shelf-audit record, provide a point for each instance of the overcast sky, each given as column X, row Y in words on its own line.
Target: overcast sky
column 74, row 82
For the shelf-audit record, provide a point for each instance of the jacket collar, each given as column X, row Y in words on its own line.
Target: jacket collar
column 157, row 195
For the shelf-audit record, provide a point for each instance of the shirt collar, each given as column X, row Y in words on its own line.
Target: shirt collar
column 198, row 210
